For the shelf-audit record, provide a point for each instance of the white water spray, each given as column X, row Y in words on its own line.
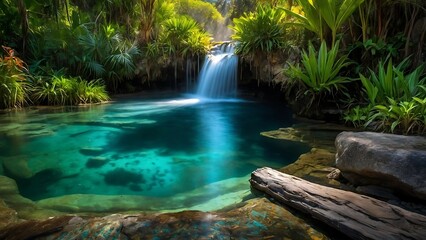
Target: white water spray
column 218, row 76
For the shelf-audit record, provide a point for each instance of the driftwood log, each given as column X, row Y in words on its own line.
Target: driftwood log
column 357, row 216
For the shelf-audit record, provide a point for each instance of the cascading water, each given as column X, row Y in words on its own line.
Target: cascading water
column 218, row 76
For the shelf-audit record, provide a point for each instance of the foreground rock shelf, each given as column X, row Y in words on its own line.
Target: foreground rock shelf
column 357, row 216
column 253, row 219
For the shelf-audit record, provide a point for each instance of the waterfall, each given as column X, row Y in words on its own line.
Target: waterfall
column 218, row 76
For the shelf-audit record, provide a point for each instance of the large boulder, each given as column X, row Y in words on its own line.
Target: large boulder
column 394, row 161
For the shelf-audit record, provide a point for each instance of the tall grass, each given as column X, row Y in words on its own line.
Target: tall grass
column 61, row 90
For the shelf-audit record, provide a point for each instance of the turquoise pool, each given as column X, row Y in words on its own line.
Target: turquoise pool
column 179, row 152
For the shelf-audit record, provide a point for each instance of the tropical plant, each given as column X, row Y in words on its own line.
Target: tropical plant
column 182, row 38
column 391, row 82
column 319, row 77
column 147, row 20
column 397, row 101
column 336, row 12
column 62, row 90
column 310, row 19
column 260, row 31
column 55, row 91
column 90, row 92
column 321, row 70
column 106, row 55
column 404, row 116
column 331, row 12
column 357, row 116
column 13, row 84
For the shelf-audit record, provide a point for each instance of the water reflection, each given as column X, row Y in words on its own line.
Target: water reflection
column 217, row 140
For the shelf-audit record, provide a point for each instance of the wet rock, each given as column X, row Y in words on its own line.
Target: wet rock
column 8, row 186
column 27, row 129
column 96, row 162
column 314, row 166
column 357, row 216
column 317, row 135
column 335, row 174
column 388, row 160
column 25, row 208
column 91, row 151
column 80, row 203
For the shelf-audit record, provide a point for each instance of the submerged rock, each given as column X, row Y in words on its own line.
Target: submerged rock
column 388, row 160
column 96, row 162
column 91, row 151
column 123, row 177
column 17, row 167
column 317, row 135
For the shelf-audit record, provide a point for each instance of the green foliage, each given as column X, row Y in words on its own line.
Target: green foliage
column 319, row 78
column 331, row 12
column 357, row 116
column 106, row 55
column 397, row 101
column 204, row 13
column 90, row 92
column 310, row 19
column 61, row 90
column 12, row 80
column 336, row 12
column 183, row 37
column 399, row 116
column 58, row 91
column 261, row 31
column 9, row 20
column 391, row 82
column 321, row 70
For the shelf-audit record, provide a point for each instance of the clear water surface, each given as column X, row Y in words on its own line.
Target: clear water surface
column 179, row 148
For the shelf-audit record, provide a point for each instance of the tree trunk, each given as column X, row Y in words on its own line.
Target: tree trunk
column 22, row 9
column 147, row 20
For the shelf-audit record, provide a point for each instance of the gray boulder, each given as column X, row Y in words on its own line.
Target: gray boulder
column 393, row 161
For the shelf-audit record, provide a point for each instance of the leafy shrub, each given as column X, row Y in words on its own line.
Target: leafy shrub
column 61, row 90
column 397, row 101
column 391, row 82
column 90, row 92
column 105, row 55
column 12, row 80
column 319, row 74
column 261, row 31
column 399, row 116
column 321, row 13
column 321, row 70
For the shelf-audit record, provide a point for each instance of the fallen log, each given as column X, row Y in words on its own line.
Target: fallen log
column 355, row 215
